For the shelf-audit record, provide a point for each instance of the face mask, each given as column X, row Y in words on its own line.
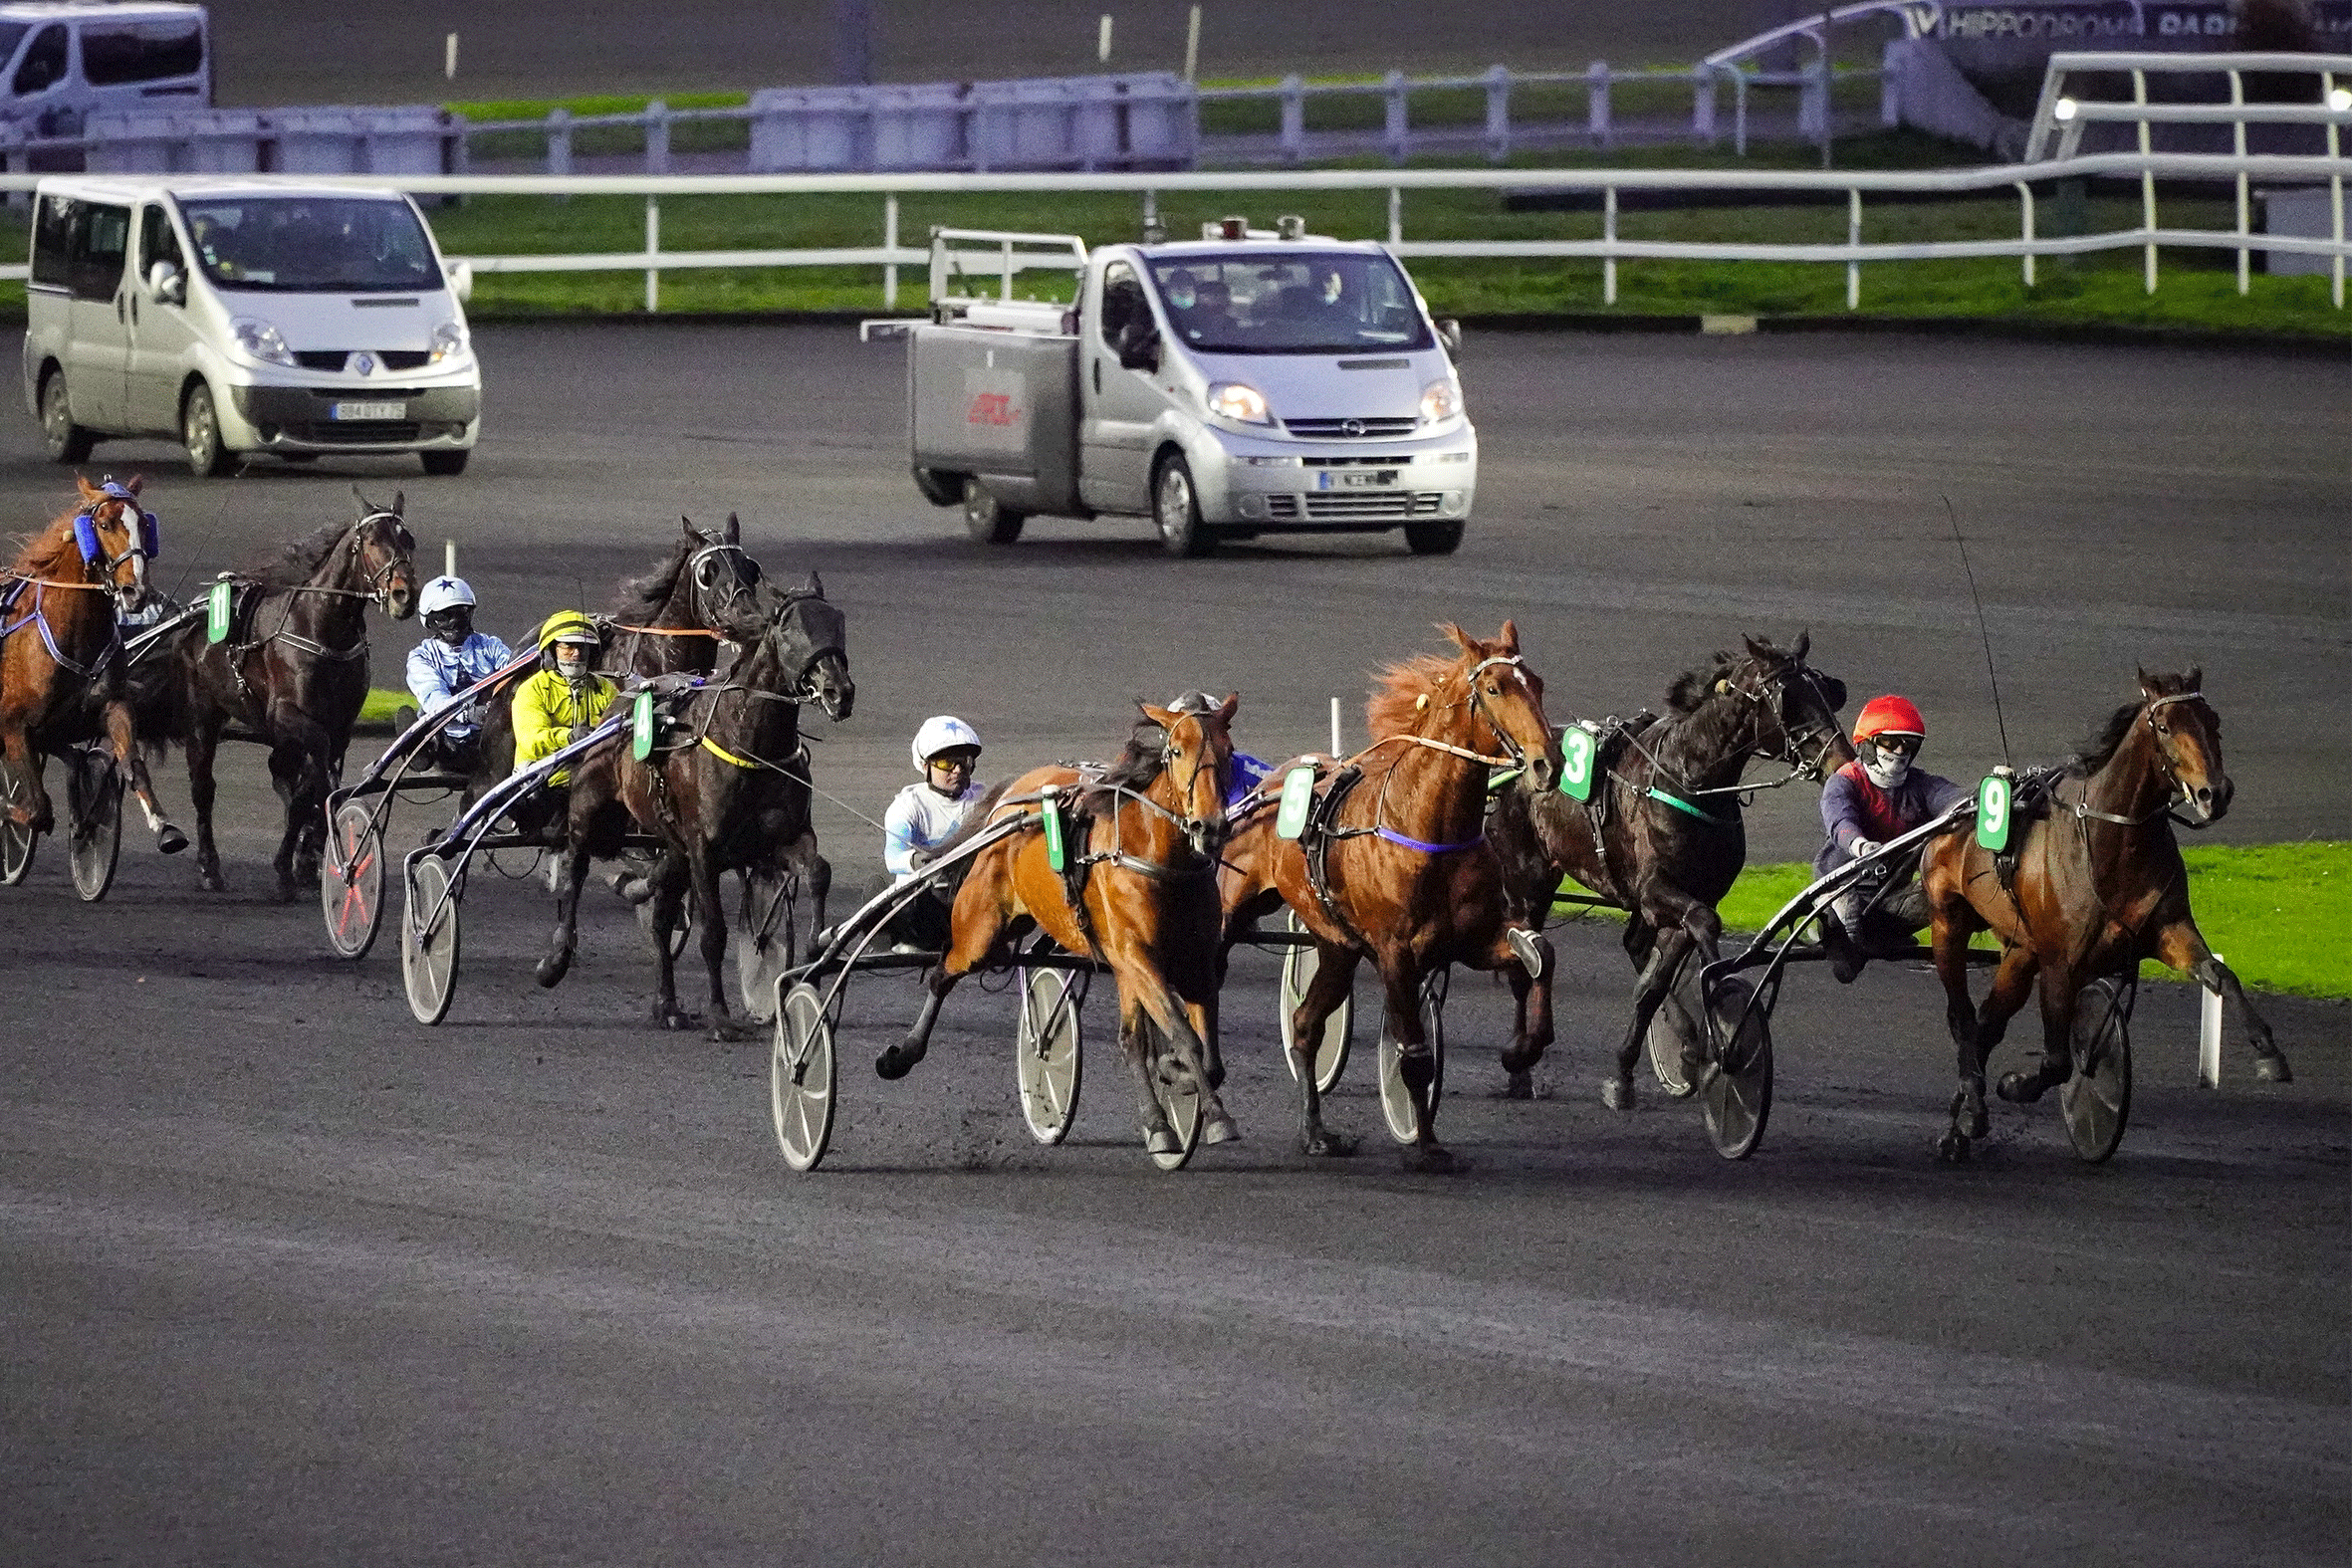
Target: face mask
column 452, row 629
column 573, row 668
column 1886, row 768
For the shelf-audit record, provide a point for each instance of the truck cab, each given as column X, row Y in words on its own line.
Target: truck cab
column 1244, row 383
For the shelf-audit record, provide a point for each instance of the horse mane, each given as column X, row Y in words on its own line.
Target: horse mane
column 1395, row 707
column 641, row 598
column 1691, row 687
column 51, row 550
column 2102, row 748
column 1141, row 760
column 299, row 560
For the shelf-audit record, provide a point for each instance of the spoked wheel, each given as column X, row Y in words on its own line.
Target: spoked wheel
column 93, row 799
column 1180, row 1100
column 351, row 885
column 2097, row 1100
column 1675, row 1027
column 1396, row 1101
column 429, row 941
column 801, row 1078
column 1736, row 1084
column 766, row 938
column 1330, row 1054
column 17, row 841
column 1047, row 1051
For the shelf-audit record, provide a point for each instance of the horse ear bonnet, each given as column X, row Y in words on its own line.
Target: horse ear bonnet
column 151, row 535
column 85, row 536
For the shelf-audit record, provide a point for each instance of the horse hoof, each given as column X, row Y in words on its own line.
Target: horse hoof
column 896, row 1062
column 1327, row 1146
column 549, row 971
column 2271, row 1068
column 1160, row 1141
column 1979, row 1123
column 1517, row 1086
column 1617, row 1095
column 1429, row 1160
column 632, row 889
column 2019, row 1088
column 1221, row 1130
column 171, row 839
column 214, row 882
column 676, row 1018
column 1951, row 1148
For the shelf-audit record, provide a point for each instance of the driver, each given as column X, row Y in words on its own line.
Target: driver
column 1877, row 796
column 923, row 816
column 452, row 657
column 566, row 698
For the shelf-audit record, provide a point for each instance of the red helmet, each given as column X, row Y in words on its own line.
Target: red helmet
column 1889, row 715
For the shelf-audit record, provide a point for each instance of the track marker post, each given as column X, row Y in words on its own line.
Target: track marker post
column 1335, row 752
column 2208, row 1038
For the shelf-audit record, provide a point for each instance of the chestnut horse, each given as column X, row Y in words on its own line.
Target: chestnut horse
column 61, row 649
column 292, row 674
column 1393, row 866
column 1661, row 834
column 2098, row 886
column 1139, row 895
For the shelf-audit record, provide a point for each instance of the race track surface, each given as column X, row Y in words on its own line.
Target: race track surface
column 287, row 1279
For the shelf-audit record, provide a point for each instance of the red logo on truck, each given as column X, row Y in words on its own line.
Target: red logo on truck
column 991, row 409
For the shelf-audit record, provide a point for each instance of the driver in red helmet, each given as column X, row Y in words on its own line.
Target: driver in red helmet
column 1877, row 796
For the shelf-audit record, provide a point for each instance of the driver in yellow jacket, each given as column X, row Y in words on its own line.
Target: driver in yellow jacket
column 563, row 700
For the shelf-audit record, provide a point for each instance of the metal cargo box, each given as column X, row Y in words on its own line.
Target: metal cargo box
column 1001, row 407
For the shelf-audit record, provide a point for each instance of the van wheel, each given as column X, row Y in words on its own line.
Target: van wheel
column 445, row 463
column 68, row 442
column 1433, row 538
column 939, row 487
column 1176, row 508
column 988, row 520
column 199, row 433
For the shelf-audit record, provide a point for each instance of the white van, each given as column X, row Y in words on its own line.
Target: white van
column 241, row 316
column 66, row 58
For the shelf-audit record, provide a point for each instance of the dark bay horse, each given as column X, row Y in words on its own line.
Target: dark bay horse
column 61, row 647
column 1661, row 834
column 2098, row 885
column 292, row 673
column 1392, row 866
column 727, row 790
column 1138, row 894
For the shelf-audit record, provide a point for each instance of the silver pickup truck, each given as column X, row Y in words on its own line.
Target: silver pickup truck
column 1247, row 382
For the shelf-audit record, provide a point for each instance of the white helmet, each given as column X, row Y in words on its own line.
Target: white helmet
column 442, row 593
column 942, row 733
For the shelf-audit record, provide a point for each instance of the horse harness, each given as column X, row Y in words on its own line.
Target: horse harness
column 146, row 541
column 249, row 594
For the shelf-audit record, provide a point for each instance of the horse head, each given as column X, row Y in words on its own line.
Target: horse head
column 1196, row 762
column 806, row 637
column 2187, row 735
column 1797, row 706
column 718, row 574
column 384, row 554
column 117, row 539
column 1490, row 699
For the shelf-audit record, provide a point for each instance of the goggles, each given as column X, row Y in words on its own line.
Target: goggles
column 954, row 760
column 1899, row 745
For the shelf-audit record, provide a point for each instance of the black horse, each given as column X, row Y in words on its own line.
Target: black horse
column 1661, row 834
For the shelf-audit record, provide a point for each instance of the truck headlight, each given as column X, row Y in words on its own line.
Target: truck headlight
column 1240, row 402
column 1439, row 401
column 262, row 341
column 448, row 343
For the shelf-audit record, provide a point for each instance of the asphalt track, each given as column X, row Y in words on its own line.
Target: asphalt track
column 286, row 1278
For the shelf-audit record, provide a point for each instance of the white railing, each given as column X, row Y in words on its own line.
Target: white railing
column 1610, row 249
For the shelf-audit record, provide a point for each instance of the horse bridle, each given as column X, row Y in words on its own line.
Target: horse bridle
column 380, row 582
column 1792, row 743
column 1516, row 755
column 2172, row 773
column 707, row 582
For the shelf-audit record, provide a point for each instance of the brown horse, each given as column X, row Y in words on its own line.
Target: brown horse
column 1138, row 894
column 292, row 674
column 1392, row 864
column 61, row 645
column 2098, row 885
column 1661, row 834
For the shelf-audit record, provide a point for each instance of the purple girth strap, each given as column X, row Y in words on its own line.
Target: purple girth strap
column 1396, row 837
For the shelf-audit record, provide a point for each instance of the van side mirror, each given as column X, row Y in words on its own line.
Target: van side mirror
column 1449, row 337
column 461, row 279
column 1139, row 349
column 167, row 284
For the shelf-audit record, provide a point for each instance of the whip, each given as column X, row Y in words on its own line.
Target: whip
column 1982, row 630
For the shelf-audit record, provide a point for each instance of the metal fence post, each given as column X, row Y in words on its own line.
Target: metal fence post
column 1596, row 103
column 2335, row 190
column 1738, row 112
column 658, row 138
column 1294, row 138
column 1608, row 233
column 559, row 140
column 1396, row 215
column 652, row 254
column 1854, row 239
column 2147, row 176
column 1497, row 114
column 1703, row 105
column 890, row 243
column 2245, row 194
column 1395, row 131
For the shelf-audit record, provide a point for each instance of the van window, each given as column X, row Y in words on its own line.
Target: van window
column 102, row 233
column 53, row 240
column 1295, row 303
column 322, row 244
column 43, row 63
column 156, row 241
column 1122, row 301
column 118, row 52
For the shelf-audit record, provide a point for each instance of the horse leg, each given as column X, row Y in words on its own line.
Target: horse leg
column 19, row 752
column 551, row 968
column 1135, row 1045
column 2182, row 945
column 285, row 770
column 1180, row 1030
column 123, row 736
column 1416, row 1064
column 1530, row 995
column 710, row 913
column 1976, row 1031
column 306, row 814
column 2058, row 987
column 1334, row 980
column 972, row 937
column 1649, row 993
column 661, row 918
column 203, row 743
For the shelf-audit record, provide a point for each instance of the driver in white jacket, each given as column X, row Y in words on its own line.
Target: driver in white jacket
column 924, row 816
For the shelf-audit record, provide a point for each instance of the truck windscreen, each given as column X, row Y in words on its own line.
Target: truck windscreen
column 1306, row 303
column 311, row 244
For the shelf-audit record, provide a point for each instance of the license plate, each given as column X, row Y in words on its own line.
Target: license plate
column 368, row 411
column 1355, row 478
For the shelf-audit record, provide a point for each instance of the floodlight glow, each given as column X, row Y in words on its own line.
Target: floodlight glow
column 2340, row 100
column 2065, row 109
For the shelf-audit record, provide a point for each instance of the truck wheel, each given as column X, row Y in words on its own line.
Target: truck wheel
column 939, row 487
column 199, row 433
column 1176, row 508
column 988, row 521
column 1433, row 538
column 68, row 442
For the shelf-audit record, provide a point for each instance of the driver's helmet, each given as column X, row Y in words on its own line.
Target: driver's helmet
column 568, row 626
column 1894, row 717
column 943, row 733
column 444, row 593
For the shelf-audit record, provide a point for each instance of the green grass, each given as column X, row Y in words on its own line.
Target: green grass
column 377, row 709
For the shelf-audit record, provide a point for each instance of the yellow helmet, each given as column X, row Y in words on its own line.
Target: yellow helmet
column 567, row 626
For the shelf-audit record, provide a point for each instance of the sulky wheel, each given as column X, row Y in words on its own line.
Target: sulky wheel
column 2097, row 1100
column 1736, row 1086
column 1674, row 1029
column 17, row 841
column 1047, row 1052
column 765, row 940
column 1330, row 1055
column 94, row 800
column 801, row 1078
column 429, row 941
column 1396, row 1101
column 350, row 884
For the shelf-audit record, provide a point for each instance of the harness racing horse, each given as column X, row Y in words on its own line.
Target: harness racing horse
column 1391, row 863
column 60, row 642
column 291, row 673
column 1660, row 835
column 727, row 790
column 2098, row 885
column 1136, row 891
